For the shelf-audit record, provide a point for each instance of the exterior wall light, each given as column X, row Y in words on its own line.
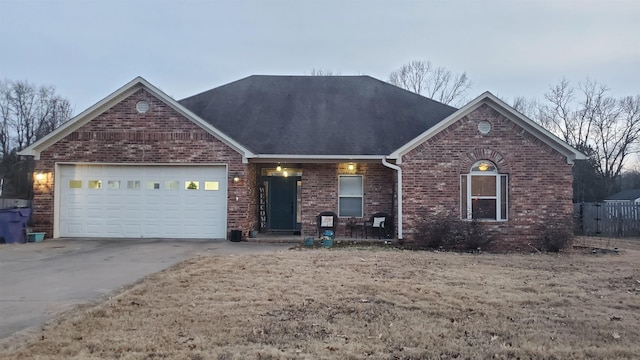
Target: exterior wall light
column 236, row 179
column 279, row 168
column 351, row 167
column 40, row 178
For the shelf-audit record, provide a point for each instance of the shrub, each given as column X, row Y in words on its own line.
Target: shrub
column 554, row 235
column 439, row 231
column 444, row 231
column 475, row 236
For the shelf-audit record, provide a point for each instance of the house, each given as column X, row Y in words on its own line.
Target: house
column 625, row 197
column 270, row 153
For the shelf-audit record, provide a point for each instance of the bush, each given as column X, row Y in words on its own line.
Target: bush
column 451, row 233
column 440, row 231
column 475, row 236
column 555, row 236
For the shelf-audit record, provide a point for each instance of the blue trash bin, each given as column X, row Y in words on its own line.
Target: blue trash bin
column 13, row 223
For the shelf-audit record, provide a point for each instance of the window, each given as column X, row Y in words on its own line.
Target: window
column 75, row 184
column 172, row 185
column 211, row 186
column 192, row 185
column 95, row 184
column 483, row 193
column 133, row 184
column 113, row 184
column 350, row 196
column 153, row 185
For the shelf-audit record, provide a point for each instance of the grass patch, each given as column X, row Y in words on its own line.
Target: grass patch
column 353, row 304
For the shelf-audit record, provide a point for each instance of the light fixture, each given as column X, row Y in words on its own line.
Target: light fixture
column 40, row 178
column 285, row 173
column 351, row 167
column 278, row 168
column 236, row 179
column 483, row 166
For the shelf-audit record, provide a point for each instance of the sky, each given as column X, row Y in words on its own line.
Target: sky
column 88, row 49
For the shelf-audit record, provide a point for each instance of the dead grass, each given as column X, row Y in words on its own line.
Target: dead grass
column 354, row 304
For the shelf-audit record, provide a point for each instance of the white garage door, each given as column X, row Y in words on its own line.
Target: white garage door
column 142, row 201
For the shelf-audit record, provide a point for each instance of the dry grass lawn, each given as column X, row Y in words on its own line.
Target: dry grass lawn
column 361, row 303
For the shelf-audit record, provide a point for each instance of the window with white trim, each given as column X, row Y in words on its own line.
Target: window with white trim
column 483, row 193
column 350, row 195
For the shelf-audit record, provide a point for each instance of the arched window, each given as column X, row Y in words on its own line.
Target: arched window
column 483, row 193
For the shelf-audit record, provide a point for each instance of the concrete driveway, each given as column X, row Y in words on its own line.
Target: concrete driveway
column 41, row 280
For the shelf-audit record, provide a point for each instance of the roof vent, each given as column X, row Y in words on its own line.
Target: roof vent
column 484, row 127
column 142, row 107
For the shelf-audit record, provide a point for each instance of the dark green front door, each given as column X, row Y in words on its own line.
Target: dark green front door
column 282, row 199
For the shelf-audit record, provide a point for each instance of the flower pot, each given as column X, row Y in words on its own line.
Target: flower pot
column 35, row 237
column 327, row 242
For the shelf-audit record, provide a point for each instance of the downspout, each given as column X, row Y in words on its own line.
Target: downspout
column 399, row 170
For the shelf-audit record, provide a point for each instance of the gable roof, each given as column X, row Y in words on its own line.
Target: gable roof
column 103, row 105
column 505, row 110
column 312, row 117
column 317, row 116
column 629, row 195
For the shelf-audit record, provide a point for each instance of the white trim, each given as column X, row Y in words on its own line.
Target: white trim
column 505, row 110
column 399, row 193
column 56, row 200
column 128, row 89
column 498, row 197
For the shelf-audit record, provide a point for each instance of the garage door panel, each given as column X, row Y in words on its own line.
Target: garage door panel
column 94, row 227
column 73, row 213
column 113, row 230
column 172, row 230
column 142, row 201
column 132, row 230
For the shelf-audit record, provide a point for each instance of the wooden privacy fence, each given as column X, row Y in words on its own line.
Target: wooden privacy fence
column 607, row 219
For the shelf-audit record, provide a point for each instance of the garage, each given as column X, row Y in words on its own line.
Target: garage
column 148, row 201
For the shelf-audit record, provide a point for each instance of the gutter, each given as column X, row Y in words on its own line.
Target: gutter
column 399, row 216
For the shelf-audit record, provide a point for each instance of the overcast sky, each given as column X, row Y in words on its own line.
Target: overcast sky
column 88, row 49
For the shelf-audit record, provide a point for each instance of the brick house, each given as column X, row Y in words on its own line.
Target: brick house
column 269, row 153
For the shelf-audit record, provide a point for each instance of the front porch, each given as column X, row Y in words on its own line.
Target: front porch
column 290, row 196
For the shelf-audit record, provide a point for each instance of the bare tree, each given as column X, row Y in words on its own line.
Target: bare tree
column 5, row 116
column 605, row 128
column 437, row 83
column 27, row 113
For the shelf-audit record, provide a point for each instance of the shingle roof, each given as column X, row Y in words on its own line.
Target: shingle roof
column 317, row 115
column 630, row 194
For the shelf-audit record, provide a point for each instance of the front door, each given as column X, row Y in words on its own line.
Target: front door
column 282, row 202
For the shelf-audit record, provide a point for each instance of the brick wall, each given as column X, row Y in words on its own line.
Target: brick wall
column 540, row 180
column 320, row 192
column 161, row 135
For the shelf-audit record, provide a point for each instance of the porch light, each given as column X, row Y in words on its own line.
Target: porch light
column 351, row 167
column 278, row 168
column 285, row 173
column 236, row 179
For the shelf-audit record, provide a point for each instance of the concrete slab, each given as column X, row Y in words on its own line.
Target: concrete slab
column 41, row 280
